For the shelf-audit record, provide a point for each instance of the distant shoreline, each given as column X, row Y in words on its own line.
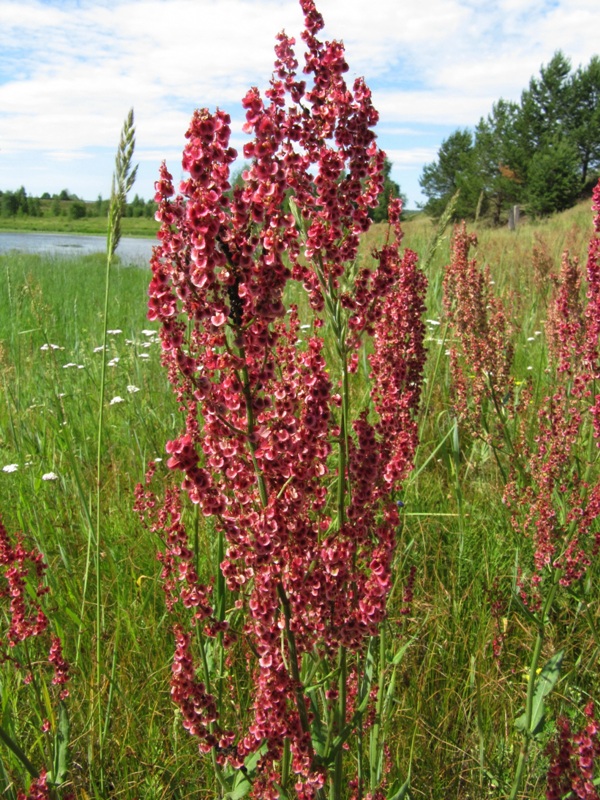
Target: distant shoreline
column 130, row 226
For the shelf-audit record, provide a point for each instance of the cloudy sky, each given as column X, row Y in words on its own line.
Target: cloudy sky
column 71, row 69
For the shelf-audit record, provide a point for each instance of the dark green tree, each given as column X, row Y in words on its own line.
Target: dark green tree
column 546, row 105
column 77, row 209
column 499, row 159
column 584, row 116
column 553, row 179
column 455, row 170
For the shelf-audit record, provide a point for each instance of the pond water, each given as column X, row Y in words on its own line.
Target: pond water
column 131, row 250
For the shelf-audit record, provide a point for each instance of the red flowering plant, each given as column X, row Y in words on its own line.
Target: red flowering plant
column 573, row 774
column 552, row 486
column 299, row 487
column 480, row 348
column 31, row 660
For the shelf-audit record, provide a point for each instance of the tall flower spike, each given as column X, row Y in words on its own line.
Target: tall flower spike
column 303, row 570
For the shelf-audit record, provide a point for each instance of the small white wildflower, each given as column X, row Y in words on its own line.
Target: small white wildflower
column 158, row 459
column 113, row 362
column 114, row 331
column 129, row 341
column 80, row 366
column 61, row 394
column 132, row 389
column 149, row 333
column 116, row 400
column 70, row 364
column 529, row 367
column 146, row 344
column 492, row 283
column 50, row 476
column 10, row 468
column 143, row 355
column 433, row 321
column 538, row 333
column 99, row 349
column 51, row 347
column 304, row 327
column 531, row 338
column 447, row 353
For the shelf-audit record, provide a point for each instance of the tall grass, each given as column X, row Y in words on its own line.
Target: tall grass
column 455, row 703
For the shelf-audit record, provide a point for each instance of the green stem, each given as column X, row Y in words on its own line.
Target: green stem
column 337, row 780
column 291, row 641
column 531, row 686
column 97, row 553
column 262, row 487
column 375, row 776
column 285, row 764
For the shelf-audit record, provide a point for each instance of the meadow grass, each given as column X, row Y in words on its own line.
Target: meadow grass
column 132, row 226
column 455, row 705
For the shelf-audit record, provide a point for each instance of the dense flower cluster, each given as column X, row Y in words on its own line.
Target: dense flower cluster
column 19, row 566
column 573, row 757
column 21, row 582
column 565, row 326
column 550, row 493
column 481, row 350
column 592, row 350
column 300, row 495
column 38, row 790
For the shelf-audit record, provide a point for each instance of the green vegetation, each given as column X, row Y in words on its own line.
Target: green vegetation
column 542, row 153
column 67, row 213
column 455, row 703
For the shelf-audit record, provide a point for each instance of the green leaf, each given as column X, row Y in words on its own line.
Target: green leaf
column 61, row 747
column 252, row 760
column 297, row 216
column 400, row 654
column 544, row 684
column 240, row 790
column 400, row 793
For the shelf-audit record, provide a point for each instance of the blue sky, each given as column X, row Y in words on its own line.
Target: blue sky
column 71, row 69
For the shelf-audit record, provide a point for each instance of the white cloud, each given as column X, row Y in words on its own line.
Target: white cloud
column 69, row 72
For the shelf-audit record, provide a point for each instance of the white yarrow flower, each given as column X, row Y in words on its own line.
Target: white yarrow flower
column 10, row 468
column 50, row 476
column 114, row 331
column 116, row 400
column 132, row 389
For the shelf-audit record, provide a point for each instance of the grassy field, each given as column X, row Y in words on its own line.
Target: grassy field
column 132, row 226
column 455, row 703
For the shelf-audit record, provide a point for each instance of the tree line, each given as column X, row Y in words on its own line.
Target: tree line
column 542, row 153
column 66, row 204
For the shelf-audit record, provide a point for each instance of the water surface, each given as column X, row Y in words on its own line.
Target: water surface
column 131, row 250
